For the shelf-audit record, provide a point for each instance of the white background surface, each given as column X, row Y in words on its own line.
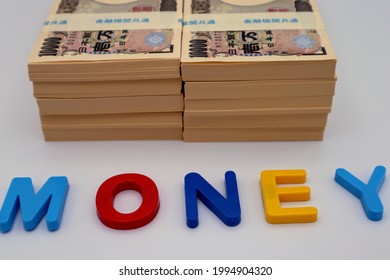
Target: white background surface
column 357, row 138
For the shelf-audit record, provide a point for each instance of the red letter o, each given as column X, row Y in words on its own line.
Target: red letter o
column 148, row 210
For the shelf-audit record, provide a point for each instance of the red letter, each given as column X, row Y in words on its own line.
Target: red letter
column 105, row 196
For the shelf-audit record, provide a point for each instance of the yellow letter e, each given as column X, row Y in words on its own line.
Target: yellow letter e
column 274, row 195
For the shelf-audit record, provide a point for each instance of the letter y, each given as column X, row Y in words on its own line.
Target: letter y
column 368, row 194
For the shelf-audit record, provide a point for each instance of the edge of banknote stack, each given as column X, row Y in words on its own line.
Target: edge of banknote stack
column 248, row 72
column 109, row 72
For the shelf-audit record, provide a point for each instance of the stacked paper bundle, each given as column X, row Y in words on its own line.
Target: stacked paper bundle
column 109, row 70
column 256, row 70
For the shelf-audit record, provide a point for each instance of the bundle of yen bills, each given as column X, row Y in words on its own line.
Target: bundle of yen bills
column 252, row 70
column 256, row 70
column 109, row 70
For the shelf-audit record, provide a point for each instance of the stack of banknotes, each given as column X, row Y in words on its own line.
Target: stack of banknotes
column 250, row 70
column 256, row 70
column 109, row 70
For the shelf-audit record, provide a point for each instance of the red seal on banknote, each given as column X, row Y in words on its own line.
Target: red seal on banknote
column 278, row 10
column 142, row 8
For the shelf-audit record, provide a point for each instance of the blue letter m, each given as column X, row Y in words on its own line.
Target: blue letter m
column 49, row 201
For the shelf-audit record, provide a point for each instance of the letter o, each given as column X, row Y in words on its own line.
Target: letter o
column 106, row 193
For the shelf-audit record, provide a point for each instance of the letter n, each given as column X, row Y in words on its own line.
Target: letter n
column 49, row 201
column 227, row 209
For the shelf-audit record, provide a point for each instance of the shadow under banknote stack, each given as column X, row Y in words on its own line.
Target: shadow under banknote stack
column 256, row 70
column 103, row 70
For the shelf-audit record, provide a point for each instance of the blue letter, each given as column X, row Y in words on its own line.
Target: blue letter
column 368, row 194
column 227, row 209
column 50, row 200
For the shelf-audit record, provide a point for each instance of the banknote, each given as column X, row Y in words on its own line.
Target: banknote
column 115, row 6
column 94, row 30
column 248, row 6
column 79, row 43
column 230, row 30
column 213, row 44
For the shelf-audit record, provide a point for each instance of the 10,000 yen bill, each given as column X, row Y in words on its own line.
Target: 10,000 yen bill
column 253, row 30
column 212, row 44
column 79, row 43
column 81, row 30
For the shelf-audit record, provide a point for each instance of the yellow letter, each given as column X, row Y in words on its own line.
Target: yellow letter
column 273, row 196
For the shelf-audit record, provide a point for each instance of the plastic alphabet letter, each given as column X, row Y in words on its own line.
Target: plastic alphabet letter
column 274, row 195
column 227, row 209
column 148, row 210
column 49, row 201
column 368, row 194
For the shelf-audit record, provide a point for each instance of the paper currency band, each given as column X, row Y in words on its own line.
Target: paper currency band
column 255, row 21
column 113, row 21
column 69, row 6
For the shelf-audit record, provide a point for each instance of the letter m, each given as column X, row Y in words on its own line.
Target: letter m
column 49, row 201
